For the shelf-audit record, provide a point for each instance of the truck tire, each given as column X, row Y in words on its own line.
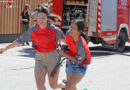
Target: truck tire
column 120, row 43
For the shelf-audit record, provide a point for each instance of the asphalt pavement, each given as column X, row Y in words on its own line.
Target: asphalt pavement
column 108, row 71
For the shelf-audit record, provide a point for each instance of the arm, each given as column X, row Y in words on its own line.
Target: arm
column 63, row 53
column 25, row 20
column 59, row 34
column 21, row 18
column 12, row 45
column 34, row 15
column 62, row 40
column 25, row 37
column 78, row 50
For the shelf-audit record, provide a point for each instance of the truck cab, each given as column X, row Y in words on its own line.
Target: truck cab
column 108, row 23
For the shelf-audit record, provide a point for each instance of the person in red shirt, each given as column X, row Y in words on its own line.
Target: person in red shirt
column 78, row 56
column 44, row 37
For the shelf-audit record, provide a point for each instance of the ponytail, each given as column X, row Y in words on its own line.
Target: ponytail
column 83, row 34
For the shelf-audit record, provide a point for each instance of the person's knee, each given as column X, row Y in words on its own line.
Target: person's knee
column 40, row 83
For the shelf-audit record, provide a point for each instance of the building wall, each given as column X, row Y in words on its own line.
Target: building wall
column 10, row 16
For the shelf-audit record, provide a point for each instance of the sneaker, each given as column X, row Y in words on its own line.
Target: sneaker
column 27, row 43
column 65, row 82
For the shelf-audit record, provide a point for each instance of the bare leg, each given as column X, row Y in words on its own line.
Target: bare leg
column 72, row 80
column 40, row 74
column 54, row 81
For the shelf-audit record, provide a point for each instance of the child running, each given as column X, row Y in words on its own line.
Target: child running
column 44, row 37
column 78, row 56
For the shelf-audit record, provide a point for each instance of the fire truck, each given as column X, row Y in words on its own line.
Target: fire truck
column 107, row 21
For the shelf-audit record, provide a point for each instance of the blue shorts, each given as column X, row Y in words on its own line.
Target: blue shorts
column 73, row 67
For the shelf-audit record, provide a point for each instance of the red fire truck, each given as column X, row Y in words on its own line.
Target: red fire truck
column 107, row 21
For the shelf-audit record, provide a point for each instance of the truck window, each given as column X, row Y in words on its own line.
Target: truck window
column 93, row 15
column 109, row 15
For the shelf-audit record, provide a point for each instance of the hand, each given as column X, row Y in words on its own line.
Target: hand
column 62, row 40
column 62, row 52
column 25, row 20
column 2, row 50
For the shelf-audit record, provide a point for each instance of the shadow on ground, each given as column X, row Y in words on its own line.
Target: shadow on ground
column 100, row 51
column 28, row 52
column 95, row 52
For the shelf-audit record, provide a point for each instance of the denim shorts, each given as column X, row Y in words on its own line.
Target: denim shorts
column 72, row 67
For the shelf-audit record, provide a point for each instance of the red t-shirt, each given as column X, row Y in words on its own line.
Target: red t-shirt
column 45, row 39
column 79, row 50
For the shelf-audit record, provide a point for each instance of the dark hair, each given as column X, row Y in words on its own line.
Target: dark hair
column 26, row 7
column 54, row 17
column 42, row 9
column 81, row 26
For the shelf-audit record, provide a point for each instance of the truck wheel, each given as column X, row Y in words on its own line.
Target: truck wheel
column 120, row 43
